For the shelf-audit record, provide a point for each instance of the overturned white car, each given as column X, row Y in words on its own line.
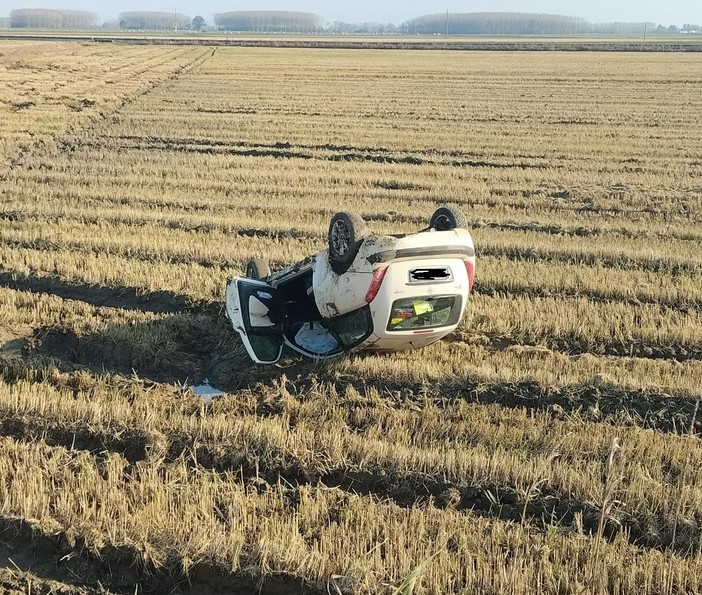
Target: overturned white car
column 364, row 291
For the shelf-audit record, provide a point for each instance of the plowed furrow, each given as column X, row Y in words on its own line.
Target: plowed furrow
column 124, row 569
column 612, row 294
column 545, row 507
column 126, row 298
column 615, row 261
column 574, row 344
column 131, row 443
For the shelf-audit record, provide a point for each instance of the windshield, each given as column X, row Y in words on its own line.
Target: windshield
column 424, row 312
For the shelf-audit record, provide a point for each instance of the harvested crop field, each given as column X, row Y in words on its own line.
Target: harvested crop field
column 549, row 445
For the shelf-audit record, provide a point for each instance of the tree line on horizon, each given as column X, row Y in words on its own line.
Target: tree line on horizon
column 516, row 23
column 495, row 23
column 153, row 20
column 268, row 21
column 272, row 21
column 47, row 18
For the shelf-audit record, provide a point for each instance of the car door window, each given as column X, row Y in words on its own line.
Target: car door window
column 352, row 328
column 253, row 307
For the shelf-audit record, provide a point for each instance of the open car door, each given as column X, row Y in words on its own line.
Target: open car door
column 254, row 309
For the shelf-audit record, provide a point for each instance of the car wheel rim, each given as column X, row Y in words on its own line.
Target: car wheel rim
column 341, row 238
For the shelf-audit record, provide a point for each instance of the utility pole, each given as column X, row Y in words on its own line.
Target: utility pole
column 175, row 18
column 447, row 23
column 645, row 29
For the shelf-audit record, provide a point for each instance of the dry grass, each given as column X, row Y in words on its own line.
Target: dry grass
column 136, row 180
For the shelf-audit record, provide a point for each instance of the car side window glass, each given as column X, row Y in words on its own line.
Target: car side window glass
column 266, row 347
column 352, row 327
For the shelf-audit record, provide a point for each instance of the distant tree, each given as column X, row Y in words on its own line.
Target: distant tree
column 363, row 28
column 198, row 23
column 45, row 18
column 516, row 23
column 496, row 23
column 268, row 21
column 155, row 21
column 672, row 29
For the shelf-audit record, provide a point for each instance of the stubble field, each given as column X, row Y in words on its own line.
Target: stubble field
column 551, row 444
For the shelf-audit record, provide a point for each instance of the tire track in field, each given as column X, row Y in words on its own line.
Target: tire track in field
column 132, row 443
column 97, row 350
column 193, row 205
column 172, row 223
column 151, row 255
column 663, row 410
column 654, row 408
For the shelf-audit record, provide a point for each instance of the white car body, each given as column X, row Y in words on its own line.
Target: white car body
column 399, row 292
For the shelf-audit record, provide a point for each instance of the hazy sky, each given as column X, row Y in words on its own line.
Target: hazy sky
column 671, row 12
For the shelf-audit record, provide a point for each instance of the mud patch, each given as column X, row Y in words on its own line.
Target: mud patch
column 16, row 581
column 183, row 349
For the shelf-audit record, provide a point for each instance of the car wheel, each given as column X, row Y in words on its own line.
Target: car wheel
column 346, row 232
column 447, row 218
column 258, row 268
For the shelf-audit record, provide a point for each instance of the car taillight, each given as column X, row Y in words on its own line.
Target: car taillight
column 376, row 282
column 470, row 269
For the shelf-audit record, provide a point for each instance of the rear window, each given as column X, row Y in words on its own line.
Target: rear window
column 424, row 312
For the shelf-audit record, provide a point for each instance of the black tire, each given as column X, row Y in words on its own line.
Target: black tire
column 258, row 268
column 346, row 232
column 447, row 218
